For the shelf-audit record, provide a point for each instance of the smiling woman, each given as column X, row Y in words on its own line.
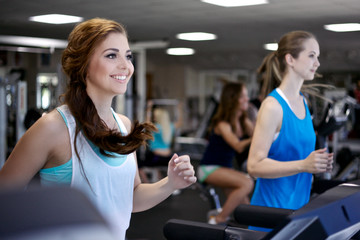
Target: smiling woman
column 110, row 67
column 88, row 146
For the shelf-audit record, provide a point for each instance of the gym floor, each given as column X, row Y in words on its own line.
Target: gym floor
column 188, row 205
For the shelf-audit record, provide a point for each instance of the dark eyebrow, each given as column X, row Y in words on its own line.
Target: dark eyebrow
column 116, row 50
column 112, row 49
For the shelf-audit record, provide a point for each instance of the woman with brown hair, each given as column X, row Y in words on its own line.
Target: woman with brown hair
column 282, row 154
column 86, row 145
column 230, row 132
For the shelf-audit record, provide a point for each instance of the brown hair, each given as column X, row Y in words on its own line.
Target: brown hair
column 273, row 67
column 82, row 42
column 228, row 106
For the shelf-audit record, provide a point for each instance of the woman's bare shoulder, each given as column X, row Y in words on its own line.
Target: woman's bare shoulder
column 51, row 122
column 270, row 104
column 223, row 128
column 270, row 114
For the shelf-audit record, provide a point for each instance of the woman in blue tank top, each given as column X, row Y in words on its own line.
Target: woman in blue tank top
column 282, row 154
column 162, row 144
column 230, row 132
column 160, row 148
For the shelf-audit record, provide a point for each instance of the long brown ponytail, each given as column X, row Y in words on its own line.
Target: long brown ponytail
column 273, row 67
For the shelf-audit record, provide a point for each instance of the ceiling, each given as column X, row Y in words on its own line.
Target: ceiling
column 241, row 31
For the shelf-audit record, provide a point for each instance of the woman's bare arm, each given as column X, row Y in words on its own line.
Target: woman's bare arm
column 43, row 144
column 259, row 165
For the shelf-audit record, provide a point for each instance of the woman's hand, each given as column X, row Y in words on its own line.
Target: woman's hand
column 181, row 173
column 319, row 161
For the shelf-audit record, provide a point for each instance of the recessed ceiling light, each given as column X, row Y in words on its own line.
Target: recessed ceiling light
column 271, row 46
column 235, row 3
column 33, row 41
column 343, row 27
column 180, row 51
column 56, row 19
column 196, row 36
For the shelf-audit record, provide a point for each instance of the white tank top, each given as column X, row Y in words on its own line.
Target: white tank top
column 111, row 186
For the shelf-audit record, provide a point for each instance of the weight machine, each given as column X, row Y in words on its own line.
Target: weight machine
column 336, row 116
column 13, row 106
column 3, row 124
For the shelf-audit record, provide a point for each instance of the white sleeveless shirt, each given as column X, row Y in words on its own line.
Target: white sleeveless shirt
column 111, row 186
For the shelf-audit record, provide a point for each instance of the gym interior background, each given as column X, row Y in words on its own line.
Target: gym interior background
column 31, row 76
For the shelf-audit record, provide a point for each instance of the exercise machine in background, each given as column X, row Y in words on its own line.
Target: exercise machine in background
column 3, row 123
column 329, row 123
column 13, row 94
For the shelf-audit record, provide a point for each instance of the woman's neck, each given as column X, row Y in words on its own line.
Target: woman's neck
column 291, row 86
column 105, row 113
column 101, row 101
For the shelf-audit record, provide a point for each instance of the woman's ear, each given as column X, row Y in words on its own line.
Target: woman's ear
column 289, row 59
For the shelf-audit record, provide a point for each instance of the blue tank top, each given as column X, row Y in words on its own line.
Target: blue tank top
column 218, row 152
column 296, row 141
column 158, row 142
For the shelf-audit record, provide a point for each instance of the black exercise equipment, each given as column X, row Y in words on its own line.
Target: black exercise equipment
column 319, row 186
column 201, row 131
column 335, row 117
column 332, row 215
column 50, row 213
column 266, row 217
column 176, row 229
